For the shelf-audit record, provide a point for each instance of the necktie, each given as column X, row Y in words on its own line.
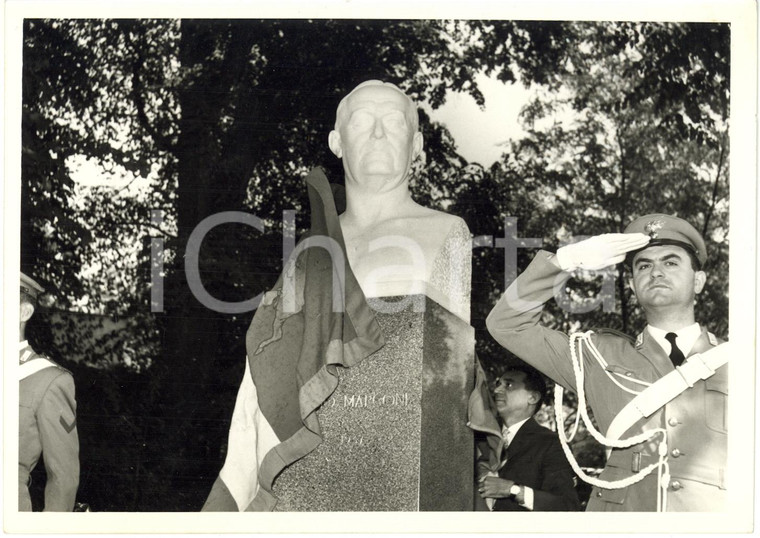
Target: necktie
column 676, row 355
column 502, row 449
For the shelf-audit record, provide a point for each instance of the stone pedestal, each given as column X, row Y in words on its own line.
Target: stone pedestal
column 395, row 434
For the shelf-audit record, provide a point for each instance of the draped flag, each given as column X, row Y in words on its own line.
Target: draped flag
column 315, row 319
column 482, row 417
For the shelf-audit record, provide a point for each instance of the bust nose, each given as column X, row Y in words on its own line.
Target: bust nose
column 377, row 130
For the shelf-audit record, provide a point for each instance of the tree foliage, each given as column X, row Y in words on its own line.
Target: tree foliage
column 618, row 132
column 188, row 118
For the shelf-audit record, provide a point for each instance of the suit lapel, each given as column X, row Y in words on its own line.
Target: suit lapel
column 522, row 441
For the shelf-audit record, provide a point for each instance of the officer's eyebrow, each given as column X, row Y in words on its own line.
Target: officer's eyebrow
column 665, row 257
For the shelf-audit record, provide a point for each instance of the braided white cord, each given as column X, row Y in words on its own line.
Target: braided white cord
column 579, row 383
column 663, row 479
column 586, row 337
column 605, row 484
column 616, row 443
column 578, row 414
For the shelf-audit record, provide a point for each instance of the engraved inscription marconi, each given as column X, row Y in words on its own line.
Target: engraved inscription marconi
column 371, row 400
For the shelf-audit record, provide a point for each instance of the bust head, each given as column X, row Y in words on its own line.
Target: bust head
column 376, row 134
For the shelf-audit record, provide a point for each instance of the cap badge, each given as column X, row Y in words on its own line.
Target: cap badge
column 653, row 228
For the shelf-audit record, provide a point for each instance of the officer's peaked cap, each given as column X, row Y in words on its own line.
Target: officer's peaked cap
column 30, row 286
column 669, row 230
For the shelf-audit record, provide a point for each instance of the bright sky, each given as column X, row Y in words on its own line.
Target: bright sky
column 479, row 133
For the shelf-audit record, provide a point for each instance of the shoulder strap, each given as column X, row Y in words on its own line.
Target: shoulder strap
column 33, row 366
column 697, row 367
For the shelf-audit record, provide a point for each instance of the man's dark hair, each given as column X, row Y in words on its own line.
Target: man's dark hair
column 534, row 382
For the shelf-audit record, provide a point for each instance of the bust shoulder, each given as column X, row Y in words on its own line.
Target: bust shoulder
column 433, row 224
column 419, row 211
column 393, row 253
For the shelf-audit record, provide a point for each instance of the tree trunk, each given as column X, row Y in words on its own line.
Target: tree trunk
column 195, row 338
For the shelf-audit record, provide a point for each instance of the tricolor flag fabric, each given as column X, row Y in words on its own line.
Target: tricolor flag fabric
column 482, row 417
column 490, row 446
column 294, row 345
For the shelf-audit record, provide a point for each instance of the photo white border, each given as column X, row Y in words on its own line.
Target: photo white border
column 743, row 259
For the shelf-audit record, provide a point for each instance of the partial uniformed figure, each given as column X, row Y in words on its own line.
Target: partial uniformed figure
column 660, row 400
column 47, row 418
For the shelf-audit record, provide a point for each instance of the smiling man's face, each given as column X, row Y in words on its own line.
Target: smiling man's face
column 511, row 397
column 663, row 276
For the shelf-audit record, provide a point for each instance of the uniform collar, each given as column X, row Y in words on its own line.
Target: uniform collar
column 687, row 337
column 654, row 352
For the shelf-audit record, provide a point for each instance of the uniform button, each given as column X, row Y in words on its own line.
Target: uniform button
column 675, row 452
column 629, row 374
column 676, row 485
column 673, row 421
column 598, row 493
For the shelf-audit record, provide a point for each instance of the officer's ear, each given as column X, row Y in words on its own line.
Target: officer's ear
column 333, row 140
column 25, row 311
column 699, row 281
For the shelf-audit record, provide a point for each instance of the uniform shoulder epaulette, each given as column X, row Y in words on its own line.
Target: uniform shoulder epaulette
column 614, row 332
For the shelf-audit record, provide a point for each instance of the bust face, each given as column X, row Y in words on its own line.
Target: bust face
column 376, row 139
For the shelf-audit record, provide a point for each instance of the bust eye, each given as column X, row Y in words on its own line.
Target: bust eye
column 361, row 120
column 395, row 122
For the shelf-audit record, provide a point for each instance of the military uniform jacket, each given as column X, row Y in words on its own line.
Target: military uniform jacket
column 47, row 427
column 695, row 420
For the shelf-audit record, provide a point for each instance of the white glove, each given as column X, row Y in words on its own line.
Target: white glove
column 599, row 251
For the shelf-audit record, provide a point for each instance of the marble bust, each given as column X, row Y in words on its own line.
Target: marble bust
column 395, row 246
column 317, row 426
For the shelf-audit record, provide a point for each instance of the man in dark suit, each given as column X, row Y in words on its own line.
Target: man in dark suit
column 527, row 469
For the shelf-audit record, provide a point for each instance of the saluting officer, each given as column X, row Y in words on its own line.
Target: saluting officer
column 47, row 418
column 679, row 464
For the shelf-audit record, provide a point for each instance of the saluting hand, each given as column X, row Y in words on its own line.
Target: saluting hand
column 599, row 251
